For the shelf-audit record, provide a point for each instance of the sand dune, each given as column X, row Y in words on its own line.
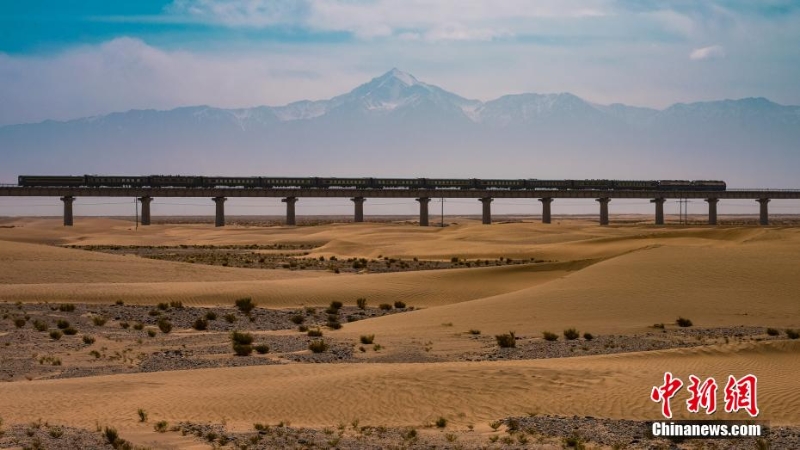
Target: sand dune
column 610, row 280
column 23, row 263
column 408, row 394
column 718, row 286
column 420, row 289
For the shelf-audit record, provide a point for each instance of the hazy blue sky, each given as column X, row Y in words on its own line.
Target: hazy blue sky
column 65, row 59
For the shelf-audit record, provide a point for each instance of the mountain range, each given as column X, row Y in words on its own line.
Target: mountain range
column 396, row 125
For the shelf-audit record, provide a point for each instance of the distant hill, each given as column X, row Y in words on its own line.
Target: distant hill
column 396, row 125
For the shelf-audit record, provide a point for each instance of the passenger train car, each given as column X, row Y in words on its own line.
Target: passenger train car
column 181, row 181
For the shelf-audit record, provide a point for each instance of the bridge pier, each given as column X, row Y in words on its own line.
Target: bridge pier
column 603, row 210
column 68, row 201
column 546, row 209
column 359, row 212
column 290, row 218
column 659, row 209
column 423, row 211
column 763, row 218
column 712, row 210
column 219, row 221
column 487, row 209
column 145, row 201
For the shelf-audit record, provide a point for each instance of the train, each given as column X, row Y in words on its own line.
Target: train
column 184, row 181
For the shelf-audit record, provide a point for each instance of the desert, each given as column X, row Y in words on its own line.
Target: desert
column 408, row 351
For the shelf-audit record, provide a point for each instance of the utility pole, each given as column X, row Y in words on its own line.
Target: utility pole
column 136, row 207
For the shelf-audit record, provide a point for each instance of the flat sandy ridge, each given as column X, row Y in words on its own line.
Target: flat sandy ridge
column 617, row 280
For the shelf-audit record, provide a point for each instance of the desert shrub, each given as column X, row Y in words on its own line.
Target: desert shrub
column 315, row 332
column 658, row 325
column 574, row 442
column 262, row 349
column 310, row 310
column 302, row 328
column 88, row 340
column 125, row 325
column 66, row 307
column 245, row 305
column 164, row 325
column 336, row 304
column 441, row 422
column 62, row 324
column 163, row 306
column 571, row 334
column 69, row 331
column 399, row 305
column 548, row 336
column 56, row 432
column 176, row 304
column 361, row 303
column 773, row 331
column 211, row 315
column 111, row 435
column 318, row 346
column 142, row 415
column 139, row 326
column 683, row 322
column 475, row 332
column 506, row 340
column 385, row 307
column 495, row 425
column 40, row 325
column 151, row 332
column 331, row 310
column 119, row 303
column 230, row 317
column 588, row 336
column 55, row 335
column 792, row 334
column 161, row 426
column 95, row 353
column 333, row 324
column 20, row 322
column 200, row 324
column 242, row 343
column 367, row 338
column 154, row 312
column 297, row 319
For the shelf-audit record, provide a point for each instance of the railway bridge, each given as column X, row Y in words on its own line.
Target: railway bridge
column 360, row 196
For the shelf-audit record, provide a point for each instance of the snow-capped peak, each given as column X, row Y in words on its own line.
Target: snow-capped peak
column 404, row 77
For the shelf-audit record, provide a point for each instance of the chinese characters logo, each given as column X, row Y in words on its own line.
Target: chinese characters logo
column 739, row 394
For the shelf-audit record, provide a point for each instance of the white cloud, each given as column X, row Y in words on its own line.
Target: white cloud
column 127, row 73
column 435, row 19
column 710, row 52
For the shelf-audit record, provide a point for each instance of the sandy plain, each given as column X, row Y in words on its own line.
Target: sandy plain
column 611, row 281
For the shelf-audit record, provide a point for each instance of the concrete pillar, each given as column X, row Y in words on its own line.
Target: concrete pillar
column 546, row 209
column 659, row 209
column 220, row 219
column 487, row 210
column 423, row 211
column 145, row 209
column 359, row 213
column 604, row 210
column 68, row 200
column 763, row 218
column 712, row 210
column 290, row 201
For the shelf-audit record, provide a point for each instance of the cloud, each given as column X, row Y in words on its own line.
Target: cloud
column 707, row 53
column 126, row 73
column 436, row 20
